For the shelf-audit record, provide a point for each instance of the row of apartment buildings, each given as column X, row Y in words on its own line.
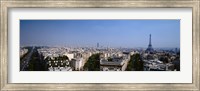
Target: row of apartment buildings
column 77, row 57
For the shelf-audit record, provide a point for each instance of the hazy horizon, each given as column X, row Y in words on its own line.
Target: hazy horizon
column 108, row 33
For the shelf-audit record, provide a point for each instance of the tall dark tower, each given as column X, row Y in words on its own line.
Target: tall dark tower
column 97, row 45
column 150, row 48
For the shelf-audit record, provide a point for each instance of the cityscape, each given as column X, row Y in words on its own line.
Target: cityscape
column 99, row 45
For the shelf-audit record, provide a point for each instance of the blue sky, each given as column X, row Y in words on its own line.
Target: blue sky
column 108, row 33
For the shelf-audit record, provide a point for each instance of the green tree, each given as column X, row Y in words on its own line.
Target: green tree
column 93, row 63
column 138, row 63
column 164, row 59
column 109, row 59
column 35, row 63
column 130, row 64
column 135, row 63
column 65, row 58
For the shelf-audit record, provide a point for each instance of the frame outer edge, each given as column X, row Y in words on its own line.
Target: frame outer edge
column 4, row 44
column 196, row 46
column 0, row 45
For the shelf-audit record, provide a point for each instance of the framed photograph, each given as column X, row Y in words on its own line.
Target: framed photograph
column 99, row 45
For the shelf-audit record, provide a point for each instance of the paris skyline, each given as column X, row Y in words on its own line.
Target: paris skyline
column 108, row 33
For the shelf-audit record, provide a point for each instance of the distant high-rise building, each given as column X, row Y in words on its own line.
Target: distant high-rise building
column 97, row 45
column 150, row 48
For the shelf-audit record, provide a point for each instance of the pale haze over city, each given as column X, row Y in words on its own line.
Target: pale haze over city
column 108, row 33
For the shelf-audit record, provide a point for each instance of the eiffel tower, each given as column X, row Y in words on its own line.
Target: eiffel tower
column 150, row 48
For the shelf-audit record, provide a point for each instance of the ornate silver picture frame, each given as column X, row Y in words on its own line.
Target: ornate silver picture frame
column 5, row 5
